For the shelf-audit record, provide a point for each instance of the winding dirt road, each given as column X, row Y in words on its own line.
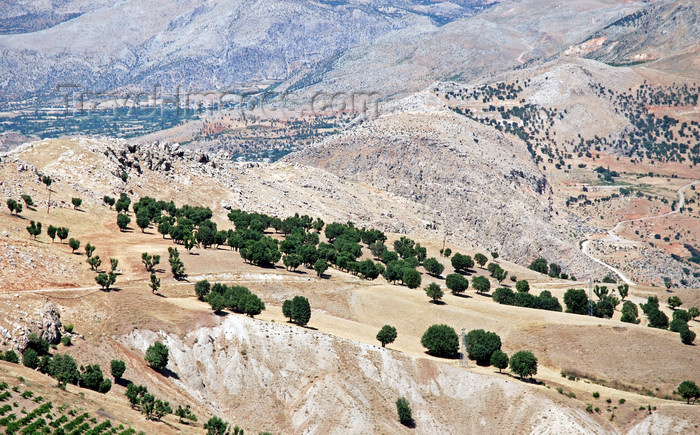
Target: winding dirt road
column 612, row 237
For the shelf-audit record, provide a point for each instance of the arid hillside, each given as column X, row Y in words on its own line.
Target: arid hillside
column 331, row 376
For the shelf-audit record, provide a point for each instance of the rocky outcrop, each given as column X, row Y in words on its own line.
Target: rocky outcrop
column 44, row 320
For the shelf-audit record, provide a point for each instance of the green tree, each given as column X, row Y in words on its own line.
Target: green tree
column 12, row 205
column 623, row 290
column 320, row 266
column 30, row 358
column 185, row 414
column 494, row 255
column 34, row 229
column 499, row 359
column 118, row 367
column 403, row 409
column 689, row 391
column 253, row 305
column 150, row 261
column 576, row 301
column 505, row 296
column 113, row 264
column 412, row 278
column 177, row 267
column 301, row 310
column 10, row 356
column 499, row 274
column 106, row 280
column 76, row 202
column 202, row 289
column 481, row 284
column 377, row 249
column 480, row 345
column 441, row 341
column 481, row 259
column 291, row 261
column 657, row 319
column 389, row 256
column 27, row 200
column 434, row 292
column 94, row 262
column 522, row 286
column 62, row 233
column 89, row 250
column 64, row 369
column 674, row 302
column 134, row 393
column 91, row 377
column 51, row 232
column 554, row 270
column 123, row 221
column 433, row 266
column 287, row 309
column 462, row 263
column 143, row 219
column 687, row 336
column 539, row 265
column 217, row 301
column 693, row 312
column 629, row 313
column 41, row 346
column 456, row 283
column 216, row 426
column 386, row 335
column 108, row 200
column 154, row 284
column 157, row 356
column 523, row 363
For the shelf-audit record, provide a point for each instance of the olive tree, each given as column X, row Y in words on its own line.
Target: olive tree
column 386, row 335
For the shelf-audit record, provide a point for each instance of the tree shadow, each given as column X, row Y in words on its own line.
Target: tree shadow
column 169, row 373
column 160, row 295
column 461, row 295
column 438, row 303
column 409, row 424
column 486, row 295
column 449, row 357
column 123, row 382
column 220, row 313
column 309, row 327
column 324, row 276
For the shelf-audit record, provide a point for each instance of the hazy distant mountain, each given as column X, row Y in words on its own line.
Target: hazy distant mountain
column 193, row 43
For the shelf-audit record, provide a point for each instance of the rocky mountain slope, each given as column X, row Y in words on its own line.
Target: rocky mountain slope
column 665, row 32
column 482, row 187
column 502, row 37
column 195, row 44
